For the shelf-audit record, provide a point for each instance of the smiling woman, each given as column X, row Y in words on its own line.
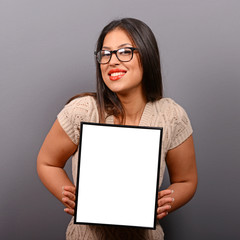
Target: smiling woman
column 122, row 77
column 129, row 92
column 134, row 34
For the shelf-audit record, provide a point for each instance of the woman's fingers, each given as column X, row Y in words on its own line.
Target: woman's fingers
column 162, row 211
column 68, row 199
column 164, row 203
column 68, row 202
column 69, row 211
column 70, row 205
column 164, row 208
column 69, row 195
column 69, row 189
column 162, row 215
column 165, row 200
column 164, row 193
column 164, row 197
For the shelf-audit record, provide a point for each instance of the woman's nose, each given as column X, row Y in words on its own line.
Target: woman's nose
column 114, row 60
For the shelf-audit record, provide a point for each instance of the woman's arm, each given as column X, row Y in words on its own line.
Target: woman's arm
column 54, row 153
column 183, row 177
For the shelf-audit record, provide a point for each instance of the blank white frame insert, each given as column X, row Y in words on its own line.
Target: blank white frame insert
column 118, row 175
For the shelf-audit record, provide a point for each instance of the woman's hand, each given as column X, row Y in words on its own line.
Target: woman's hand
column 164, row 203
column 69, row 198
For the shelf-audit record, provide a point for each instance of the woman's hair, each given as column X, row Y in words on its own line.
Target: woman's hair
column 143, row 38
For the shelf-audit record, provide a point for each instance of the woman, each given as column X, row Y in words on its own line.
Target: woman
column 129, row 92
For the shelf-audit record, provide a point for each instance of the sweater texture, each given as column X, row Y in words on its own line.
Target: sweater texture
column 164, row 113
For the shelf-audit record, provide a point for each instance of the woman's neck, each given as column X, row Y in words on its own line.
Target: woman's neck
column 133, row 108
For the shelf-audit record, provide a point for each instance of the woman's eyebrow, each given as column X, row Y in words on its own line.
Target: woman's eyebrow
column 122, row 45
column 106, row 47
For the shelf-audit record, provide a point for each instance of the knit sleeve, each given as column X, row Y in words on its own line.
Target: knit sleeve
column 77, row 111
column 180, row 125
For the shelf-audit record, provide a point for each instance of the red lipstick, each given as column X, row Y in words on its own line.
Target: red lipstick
column 116, row 73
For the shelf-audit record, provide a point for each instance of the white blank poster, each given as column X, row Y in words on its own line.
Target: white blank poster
column 118, row 175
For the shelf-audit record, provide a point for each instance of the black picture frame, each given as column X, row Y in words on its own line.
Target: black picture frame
column 86, row 189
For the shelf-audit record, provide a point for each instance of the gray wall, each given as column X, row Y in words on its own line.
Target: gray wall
column 46, row 56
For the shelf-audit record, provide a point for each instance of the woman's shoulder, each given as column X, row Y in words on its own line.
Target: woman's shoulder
column 77, row 110
column 84, row 102
column 166, row 104
column 83, row 108
column 170, row 110
column 175, row 118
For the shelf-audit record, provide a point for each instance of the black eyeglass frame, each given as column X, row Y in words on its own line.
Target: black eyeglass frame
column 115, row 52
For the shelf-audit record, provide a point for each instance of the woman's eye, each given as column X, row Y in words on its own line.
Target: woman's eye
column 105, row 53
column 125, row 51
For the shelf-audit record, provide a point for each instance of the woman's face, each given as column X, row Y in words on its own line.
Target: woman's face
column 123, row 78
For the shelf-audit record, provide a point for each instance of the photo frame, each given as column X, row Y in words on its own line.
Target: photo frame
column 118, row 175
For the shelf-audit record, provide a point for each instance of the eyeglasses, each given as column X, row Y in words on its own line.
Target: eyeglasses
column 122, row 54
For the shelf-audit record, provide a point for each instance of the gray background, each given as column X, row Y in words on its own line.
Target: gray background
column 46, row 56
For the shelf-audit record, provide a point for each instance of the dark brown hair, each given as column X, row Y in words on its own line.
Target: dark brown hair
column 143, row 38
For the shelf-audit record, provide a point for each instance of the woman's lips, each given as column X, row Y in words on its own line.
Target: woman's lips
column 116, row 74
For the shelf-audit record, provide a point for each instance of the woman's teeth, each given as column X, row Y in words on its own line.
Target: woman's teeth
column 117, row 74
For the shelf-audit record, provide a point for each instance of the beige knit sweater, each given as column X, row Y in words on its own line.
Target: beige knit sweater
column 163, row 113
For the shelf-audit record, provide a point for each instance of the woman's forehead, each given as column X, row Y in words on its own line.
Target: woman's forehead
column 117, row 38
